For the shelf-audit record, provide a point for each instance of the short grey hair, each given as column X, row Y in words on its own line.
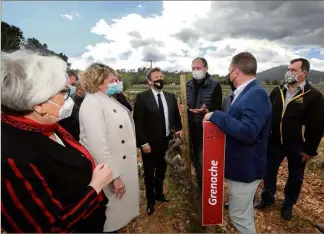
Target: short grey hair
column 29, row 79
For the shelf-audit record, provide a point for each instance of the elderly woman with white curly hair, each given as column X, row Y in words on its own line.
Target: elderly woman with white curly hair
column 49, row 181
column 107, row 131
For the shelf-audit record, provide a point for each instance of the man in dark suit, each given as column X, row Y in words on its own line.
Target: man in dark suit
column 296, row 132
column 156, row 116
column 246, row 125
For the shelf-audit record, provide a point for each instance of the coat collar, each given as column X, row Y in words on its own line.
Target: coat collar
column 247, row 88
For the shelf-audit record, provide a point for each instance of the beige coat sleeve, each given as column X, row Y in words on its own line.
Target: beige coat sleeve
column 95, row 128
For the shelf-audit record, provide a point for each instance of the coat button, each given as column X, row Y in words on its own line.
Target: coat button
column 124, row 157
column 115, row 111
column 120, row 126
column 122, row 141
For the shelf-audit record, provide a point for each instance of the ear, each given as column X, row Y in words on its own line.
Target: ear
column 40, row 109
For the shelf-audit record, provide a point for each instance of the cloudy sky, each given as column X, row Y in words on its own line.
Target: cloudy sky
column 172, row 33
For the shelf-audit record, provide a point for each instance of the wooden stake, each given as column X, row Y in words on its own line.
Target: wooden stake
column 185, row 125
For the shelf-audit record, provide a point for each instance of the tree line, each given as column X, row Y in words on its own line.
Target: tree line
column 12, row 39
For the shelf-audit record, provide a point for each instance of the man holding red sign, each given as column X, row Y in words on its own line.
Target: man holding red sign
column 246, row 125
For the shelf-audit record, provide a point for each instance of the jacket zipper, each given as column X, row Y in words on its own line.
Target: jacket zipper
column 284, row 111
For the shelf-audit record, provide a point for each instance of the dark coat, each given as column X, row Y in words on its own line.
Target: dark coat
column 44, row 185
column 120, row 97
column 148, row 122
column 301, row 123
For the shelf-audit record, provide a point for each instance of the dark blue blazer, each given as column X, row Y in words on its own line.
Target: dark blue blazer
column 246, row 125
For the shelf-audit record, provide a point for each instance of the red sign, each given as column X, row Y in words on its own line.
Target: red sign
column 213, row 175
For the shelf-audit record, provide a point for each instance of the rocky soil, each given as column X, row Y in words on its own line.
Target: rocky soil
column 182, row 213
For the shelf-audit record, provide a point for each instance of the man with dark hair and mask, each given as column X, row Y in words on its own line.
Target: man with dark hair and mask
column 203, row 94
column 156, row 117
column 296, row 131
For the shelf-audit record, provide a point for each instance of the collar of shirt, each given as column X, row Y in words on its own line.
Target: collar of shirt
column 299, row 87
column 157, row 92
column 239, row 89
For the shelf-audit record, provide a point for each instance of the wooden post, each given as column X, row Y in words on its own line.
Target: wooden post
column 185, row 125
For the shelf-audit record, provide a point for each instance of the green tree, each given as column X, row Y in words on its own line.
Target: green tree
column 11, row 37
column 35, row 45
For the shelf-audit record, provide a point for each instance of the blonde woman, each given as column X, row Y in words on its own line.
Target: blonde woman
column 107, row 131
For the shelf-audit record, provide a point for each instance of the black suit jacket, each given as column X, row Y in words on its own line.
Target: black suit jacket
column 148, row 121
column 44, row 185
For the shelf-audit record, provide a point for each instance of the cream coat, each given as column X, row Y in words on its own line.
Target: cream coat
column 107, row 131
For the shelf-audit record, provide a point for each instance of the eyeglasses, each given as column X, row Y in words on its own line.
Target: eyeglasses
column 66, row 91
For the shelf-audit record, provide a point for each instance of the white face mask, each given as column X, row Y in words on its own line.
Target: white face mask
column 66, row 109
column 198, row 74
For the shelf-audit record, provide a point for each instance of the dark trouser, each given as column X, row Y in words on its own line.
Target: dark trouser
column 154, row 173
column 196, row 152
column 296, row 169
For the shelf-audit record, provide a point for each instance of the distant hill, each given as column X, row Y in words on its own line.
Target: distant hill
column 278, row 73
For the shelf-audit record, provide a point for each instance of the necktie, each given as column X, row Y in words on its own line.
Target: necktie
column 161, row 110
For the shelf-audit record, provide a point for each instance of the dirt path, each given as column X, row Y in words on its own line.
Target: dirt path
column 181, row 214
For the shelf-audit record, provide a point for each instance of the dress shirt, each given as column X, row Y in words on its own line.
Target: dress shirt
column 290, row 95
column 165, row 107
column 240, row 89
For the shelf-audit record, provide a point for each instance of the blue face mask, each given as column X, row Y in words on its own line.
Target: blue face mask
column 72, row 91
column 114, row 88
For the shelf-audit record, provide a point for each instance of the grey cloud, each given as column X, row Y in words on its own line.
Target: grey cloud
column 288, row 21
column 265, row 56
column 136, row 43
column 188, row 36
column 226, row 51
column 151, row 53
column 135, row 34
